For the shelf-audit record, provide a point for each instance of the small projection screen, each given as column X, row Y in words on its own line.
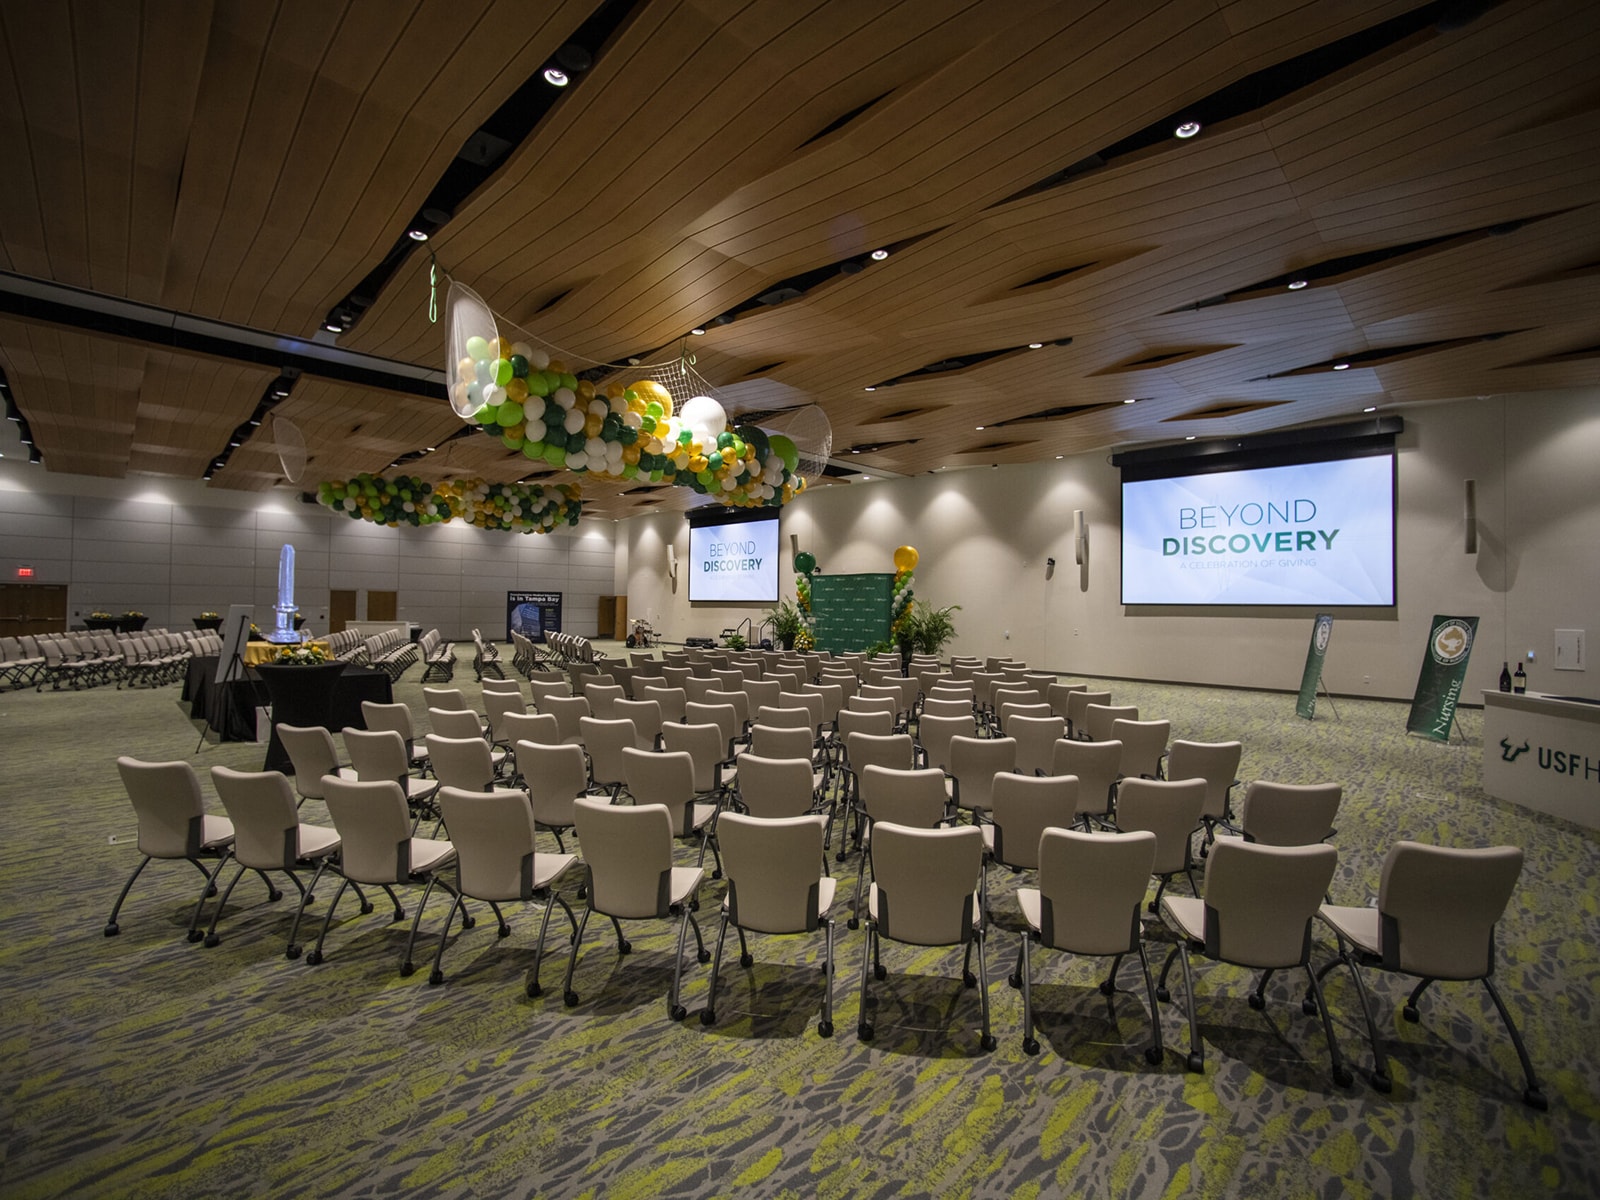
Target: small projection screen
column 733, row 557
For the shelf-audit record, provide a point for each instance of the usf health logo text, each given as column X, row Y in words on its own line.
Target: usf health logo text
column 1509, row 753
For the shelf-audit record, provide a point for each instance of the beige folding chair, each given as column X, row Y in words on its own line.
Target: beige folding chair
column 604, row 742
column 631, row 877
column 496, row 705
column 1289, row 814
column 1218, row 764
column 671, row 701
column 463, row 763
column 776, row 787
column 568, row 711
column 1036, row 739
column 714, row 775
column 1024, row 806
column 380, row 754
column 603, row 696
column 763, row 693
column 555, row 776
column 1435, row 919
column 1170, row 809
column 774, row 887
column 376, row 846
column 458, row 724
column 531, row 727
column 670, row 779
column 1095, row 764
column 1100, row 718
column 925, row 894
column 397, row 717
column 974, row 762
column 173, row 824
column 725, row 717
column 1144, row 745
column 646, row 718
column 1087, row 903
column 498, row 861
column 312, row 755
column 1078, row 712
column 910, row 797
column 943, row 704
column 895, row 750
column 1057, row 694
column 1256, row 914
column 554, row 685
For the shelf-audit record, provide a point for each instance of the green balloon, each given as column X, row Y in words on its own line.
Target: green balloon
column 519, row 366
column 724, row 440
column 509, row 442
column 509, row 413
column 714, row 460
column 533, row 450
column 501, row 370
column 785, row 449
column 805, row 562
column 538, row 385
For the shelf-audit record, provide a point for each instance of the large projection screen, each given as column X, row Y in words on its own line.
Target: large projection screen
column 1314, row 533
column 734, row 561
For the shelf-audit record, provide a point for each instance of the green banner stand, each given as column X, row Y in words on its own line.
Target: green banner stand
column 852, row 611
column 1444, row 670
column 1311, row 677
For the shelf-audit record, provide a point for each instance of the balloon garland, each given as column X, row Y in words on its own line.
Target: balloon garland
column 905, row 562
column 804, row 563
column 407, row 500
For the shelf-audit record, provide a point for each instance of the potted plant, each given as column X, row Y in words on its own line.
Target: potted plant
column 935, row 628
column 100, row 620
column 734, row 641
column 208, row 620
column 786, row 623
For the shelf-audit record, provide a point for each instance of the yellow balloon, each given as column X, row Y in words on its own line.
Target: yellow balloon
column 648, row 390
column 905, row 558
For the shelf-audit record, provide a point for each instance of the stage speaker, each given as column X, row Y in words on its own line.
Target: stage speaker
column 1470, row 499
column 1080, row 537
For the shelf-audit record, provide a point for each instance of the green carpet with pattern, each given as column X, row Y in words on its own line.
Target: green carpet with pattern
column 143, row 1065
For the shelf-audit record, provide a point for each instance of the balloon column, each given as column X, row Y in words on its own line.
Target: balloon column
column 406, row 500
column 804, row 563
column 905, row 562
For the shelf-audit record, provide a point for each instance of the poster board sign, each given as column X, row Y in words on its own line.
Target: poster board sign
column 1444, row 670
column 1321, row 632
column 532, row 614
column 852, row 610
column 235, row 633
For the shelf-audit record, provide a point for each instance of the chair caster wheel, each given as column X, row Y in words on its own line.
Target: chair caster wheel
column 1343, row 1076
column 1107, row 988
column 864, row 1032
column 194, row 935
column 1163, row 995
column 625, row 948
column 745, row 960
column 583, row 892
column 407, row 969
column 1030, row 1045
column 1308, row 1006
column 678, row 1012
column 366, row 908
column 1410, row 1013
column 534, row 991
column 824, row 1028
column 841, row 856
column 969, row 979
column 1534, row 1098
column 213, row 940
column 275, row 895
column 987, row 1042
column 505, row 930
column 717, row 874
column 1152, row 1056
column 1257, row 1002
column 1195, row 1063
column 113, row 929
column 855, row 922
column 878, row 972
column 435, row 977
column 570, row 999
column 468, row 921
column 703, row 957
column 399, row 915
column 314, row 958
column 1014, row 979
column 1382, row 1083
column 707, row 1017
column 292, row 952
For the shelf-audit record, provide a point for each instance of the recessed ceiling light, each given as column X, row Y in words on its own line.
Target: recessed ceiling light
column 866, row 479
column 1370, row 408
column 1059, row 457
column 871, row 388
column 1341, row 366
column 1035, row 345
column 853, row 450
column 417, row 235
column 1187, row 130
column 879, row 255
column 555, row 77
column 1190, row 438
column 333, row 328
column 431, row 449
column 697, row 331
column 255, row 422
column 1296, row 284
column 977, row 426
column 1130, row 399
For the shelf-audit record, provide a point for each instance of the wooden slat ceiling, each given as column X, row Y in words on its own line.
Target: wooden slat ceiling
column 253, row 162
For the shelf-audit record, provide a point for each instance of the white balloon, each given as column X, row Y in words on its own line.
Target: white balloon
column 577, row 460
column 574, row 421
column 525, row 350
column 538, row 360
column 534, row 431
column 565, row 397
column 704, row 417
column 494, row 394
column 595, row 448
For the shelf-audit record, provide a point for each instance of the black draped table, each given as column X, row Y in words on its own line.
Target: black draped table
column 317, row 696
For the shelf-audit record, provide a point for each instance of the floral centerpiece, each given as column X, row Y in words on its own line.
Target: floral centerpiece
column 210, row 616
column 97, row 615
column 132, row 615
column 255, row 633
column 308, row 655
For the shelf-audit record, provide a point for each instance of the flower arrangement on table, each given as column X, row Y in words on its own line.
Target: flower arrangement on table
column 97, row 615
column 255, row 633
column 132, row 614
column 308, row 655
column 210, row 616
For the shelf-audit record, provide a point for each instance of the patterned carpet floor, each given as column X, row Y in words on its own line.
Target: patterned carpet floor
column 143, row 1065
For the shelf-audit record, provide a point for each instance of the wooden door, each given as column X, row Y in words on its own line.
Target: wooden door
column 32, row 608
column 383, row 606
column 619, row 630
column 606, row 616
column 341, row 609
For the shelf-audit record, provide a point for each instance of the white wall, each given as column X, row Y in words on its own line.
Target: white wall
column 984, row 535
column 172, row 550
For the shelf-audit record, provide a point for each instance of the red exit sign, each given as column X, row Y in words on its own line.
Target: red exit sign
column 24, row 572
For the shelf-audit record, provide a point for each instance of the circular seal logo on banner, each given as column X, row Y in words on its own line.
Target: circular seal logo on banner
column 1451, row 641
column 1324, row 632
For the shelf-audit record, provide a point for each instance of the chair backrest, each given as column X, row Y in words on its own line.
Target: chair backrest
column 1078, row 710
column 774, row 787
column 508, row 686
column 943, row 704
column 1215, row 762
column 885, row 750
column 1438, row 907
column 389, row 716
column 555, row 776
column 1036, row 741
column 1023, row 807
column 312, row 754
column 934, row 733
column 374, row 829
column 1056, row 696
column 729, row 679
column 1090, row 888
column 776, row 741
column 629, row 853
column 762, row 692
column 568, row 711
column 861, row 702
column 1011, row 710
column 773, row 870
column 671, row 701
column 530, row 727
column 1168, row 808
column 926, row 881
column 451, row 698
column 1012, row 693
column 463, row 763
column 266, row 827
column 724, row 716
column 809, row 701
column 974, row 762
column 605, row 742
column 697, row 686
column 787, row 718
column 551, row 686
column 833, row 698
column 1144, row 744
column 676, row 676
column 705, row 746
column 738, row 701
column 1096, row 766
column 496, row 705
column 1099, row 718
column 851, row 721
column 602, row 696
column 454, row 723
column 166, row 798
column 1260, row 901
column 646, row 718
column 915, row 798
column 1289, row 814
column 493, row 836
column 377, row 755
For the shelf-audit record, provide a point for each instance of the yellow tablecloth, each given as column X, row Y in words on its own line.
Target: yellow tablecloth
column 260, row 652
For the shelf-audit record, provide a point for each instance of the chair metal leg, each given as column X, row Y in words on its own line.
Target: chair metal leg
column 1030, row 1044
column 1160, row 888
column 568, row 996
column 624, row 946
column 436, row 976
column 1108, row 985
column 1380, row 1061
column 675, row 1010
column 745, row 958
column 211, row 934
column 1341, row 1073
column 1258, row 998
column 208, row 889
column 1154, row 1053
column 708, row 1014
column 292, row 950
column 825, row 1027
column 1197, row 1060
column 406, row 965
column 1532, row 1096
column 533, row 988
column 1410, row 1012
column 987, row 1040
column 315, row 956
column 864, row 1029
column 112, row 928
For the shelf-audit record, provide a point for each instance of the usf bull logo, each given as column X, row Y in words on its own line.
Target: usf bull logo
column 1509, row 753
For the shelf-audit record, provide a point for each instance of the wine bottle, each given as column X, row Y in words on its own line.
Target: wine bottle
column 1505, row 676
column 1519, row 682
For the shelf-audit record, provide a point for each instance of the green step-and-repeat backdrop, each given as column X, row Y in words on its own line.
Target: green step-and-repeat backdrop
column 852, row 611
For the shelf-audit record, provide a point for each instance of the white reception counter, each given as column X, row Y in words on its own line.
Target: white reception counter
column 1543, row 752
